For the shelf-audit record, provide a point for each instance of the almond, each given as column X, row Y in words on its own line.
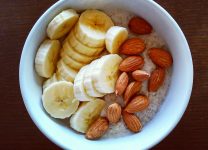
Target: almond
column 132, row 46
column 156, row 79
column 131, row 90
column 161, row 57
column 139, row 26
column 97, row 129
column 140, row 75
column 114, row 113
column 121, row 83
column 131, row 63
column 132, row 122
column 137, row 104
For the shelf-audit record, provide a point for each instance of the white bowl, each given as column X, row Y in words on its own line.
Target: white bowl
column 171, row 109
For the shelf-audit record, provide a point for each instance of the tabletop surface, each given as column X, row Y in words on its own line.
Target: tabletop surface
column 17, row 129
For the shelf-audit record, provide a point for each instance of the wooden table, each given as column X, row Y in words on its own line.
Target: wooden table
column 17, row 129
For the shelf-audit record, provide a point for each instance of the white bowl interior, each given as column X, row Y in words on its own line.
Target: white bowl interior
column 171, row 109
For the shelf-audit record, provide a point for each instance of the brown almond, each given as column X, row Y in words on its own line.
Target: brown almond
column 131, row 90
column 131, row 63
column 137, row 104
column 140, row 75
column 132, row 46
column 97, row 129
column 161, row 57
column 156, row 79
column 114, row 113
column 132, row 122
column 139, row 26
column 121, row 83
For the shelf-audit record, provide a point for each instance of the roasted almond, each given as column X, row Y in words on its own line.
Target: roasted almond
column 132, row 46
column 156, row 79
column 161, row 57
column 114, row 113
column 121, row 83
column 137, row 104
column 139, row 26
column 131, row 90
column 140, row 75
column 97, row 129
column 132, row 122
column 131, row 63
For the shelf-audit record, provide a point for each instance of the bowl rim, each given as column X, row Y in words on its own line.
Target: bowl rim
column 64, row 146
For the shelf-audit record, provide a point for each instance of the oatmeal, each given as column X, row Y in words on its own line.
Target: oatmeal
column 112, row 74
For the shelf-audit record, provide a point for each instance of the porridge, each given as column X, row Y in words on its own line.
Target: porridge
column 109, row 75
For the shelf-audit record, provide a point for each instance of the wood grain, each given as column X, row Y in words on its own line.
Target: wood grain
column 17, row 129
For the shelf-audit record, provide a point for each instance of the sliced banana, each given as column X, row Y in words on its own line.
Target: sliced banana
column 62, row 24
column 46, row 58
column 92, row 27
column 80, row 47
column 105, row 73
column 115, row 36
column 64, row 72
column 86, row 114
column 58, row 99
column 79, row 89
column 71, row 62
column 68, row 50
column 50, row 81
column 88, row 82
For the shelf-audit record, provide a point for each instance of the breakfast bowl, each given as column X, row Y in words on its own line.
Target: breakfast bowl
column 172, row 108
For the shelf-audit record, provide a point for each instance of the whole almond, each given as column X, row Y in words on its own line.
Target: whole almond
column 140, row 75
column 137, row 104
column 139, row 25
column 114, row 113
column 132, row 122
column 131, row 90
column 132, row 46
column 161, row 57
column 97, row 129
column 156, row 79
column 131, row 63
column 121, row 83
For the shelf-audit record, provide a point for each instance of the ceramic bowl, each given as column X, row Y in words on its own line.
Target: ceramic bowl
column 172, row 108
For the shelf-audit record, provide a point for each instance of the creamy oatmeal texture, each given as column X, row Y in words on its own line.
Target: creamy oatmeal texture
column 121, row 18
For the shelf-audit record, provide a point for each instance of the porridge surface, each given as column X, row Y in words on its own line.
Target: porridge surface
column 121, row 18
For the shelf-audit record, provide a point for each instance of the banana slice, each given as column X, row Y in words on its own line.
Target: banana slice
column 68, row 50
column 87, row 113
column 79, row 89
column 58, row 99
column 92, row 27
column 60, row 78
column 64, row 72
column 80, row 47
column 105, row 73
column 71, row 62
column 115, row 36
column 62, row 24
column 50, row 81
column 46, row 58
column 88, row 82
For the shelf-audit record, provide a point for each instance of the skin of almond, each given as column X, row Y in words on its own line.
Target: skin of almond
column 131, row 90
column 137, row 104
column 131, row 63
column 132, row 122
column 114, row 113
column 97, row 129
column 121, row 83
column 140, row 75
column 161, row 57
column 156, row 79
